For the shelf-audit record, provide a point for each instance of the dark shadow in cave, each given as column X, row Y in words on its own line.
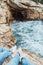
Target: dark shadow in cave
column 18, row 14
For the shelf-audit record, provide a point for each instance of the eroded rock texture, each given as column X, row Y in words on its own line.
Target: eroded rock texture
column 34, row 11
column 6, row 38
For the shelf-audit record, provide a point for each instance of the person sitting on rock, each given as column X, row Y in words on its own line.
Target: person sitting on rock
column 5, row 53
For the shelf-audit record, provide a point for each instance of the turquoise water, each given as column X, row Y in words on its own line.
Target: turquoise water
column 29, row 35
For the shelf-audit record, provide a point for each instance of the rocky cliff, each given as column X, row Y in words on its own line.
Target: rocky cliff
column 26, row 9
column 6, row 38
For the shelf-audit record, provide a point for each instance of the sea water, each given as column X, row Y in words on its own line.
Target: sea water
column 29, row 35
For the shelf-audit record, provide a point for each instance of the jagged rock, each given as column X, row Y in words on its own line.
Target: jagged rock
column 33, row 10
column 34, row 15
column 6, row 38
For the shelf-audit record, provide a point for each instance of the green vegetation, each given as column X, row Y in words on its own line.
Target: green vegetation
column 41, row 1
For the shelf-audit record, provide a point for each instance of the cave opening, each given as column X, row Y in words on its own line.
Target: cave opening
column 19, row 15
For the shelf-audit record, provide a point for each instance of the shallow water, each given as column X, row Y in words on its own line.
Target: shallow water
column 29, row 35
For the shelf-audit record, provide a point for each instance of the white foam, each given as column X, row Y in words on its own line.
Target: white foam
column 29, row 35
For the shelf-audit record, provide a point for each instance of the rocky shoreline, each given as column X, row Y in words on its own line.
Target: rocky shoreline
column 6, row 38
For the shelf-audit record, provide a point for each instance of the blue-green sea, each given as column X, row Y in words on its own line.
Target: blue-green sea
column 29, row 35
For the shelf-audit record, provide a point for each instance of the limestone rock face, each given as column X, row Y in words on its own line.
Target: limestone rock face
column 34, row 15
column 33, row 10
column 6, row 38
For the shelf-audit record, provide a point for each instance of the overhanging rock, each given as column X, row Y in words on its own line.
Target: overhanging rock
column 26, row 10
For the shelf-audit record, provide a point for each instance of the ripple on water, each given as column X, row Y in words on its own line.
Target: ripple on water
column 29, row 35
